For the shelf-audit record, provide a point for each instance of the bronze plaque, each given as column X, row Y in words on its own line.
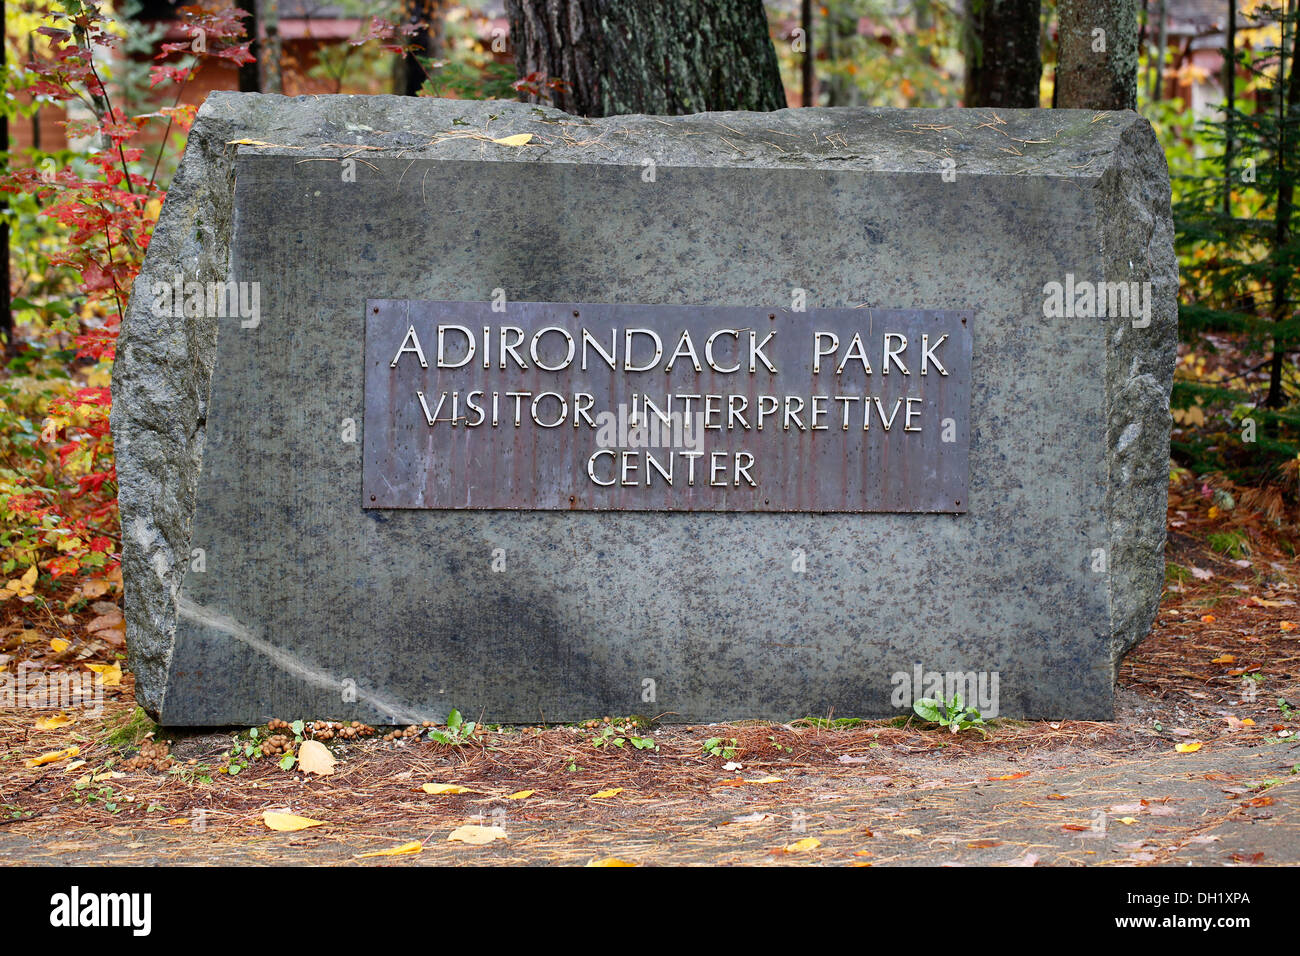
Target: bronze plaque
column 550, row 406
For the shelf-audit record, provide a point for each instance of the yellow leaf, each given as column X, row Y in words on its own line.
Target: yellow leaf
column 21, row 587
column 610, row 861
column 767, row 780
column 476, row 835
column 59, row 645
column 603, row 794
column 415, row 846
column 93, row 589
column 287, row 822
column 1128, row 821
column 804, row 845
column 1188, row 748
column 1247, row 722
column 1224, row 659
column 314, row 757
column 178, row 821
column 519, row 139
column 112, row 673
column 53, row 756
column 521, row 795
column 438, row 789
column 1287, row 625
column 75, row 765
column 54, row 721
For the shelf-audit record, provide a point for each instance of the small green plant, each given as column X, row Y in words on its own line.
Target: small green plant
column 458, row 733
column 952, row 714
column 780, row 747
column 1235, row 544
column 609, row 735
column 718, row 747
column 1284, row 705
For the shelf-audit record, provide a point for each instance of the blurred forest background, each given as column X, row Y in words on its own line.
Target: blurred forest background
column 98, row 99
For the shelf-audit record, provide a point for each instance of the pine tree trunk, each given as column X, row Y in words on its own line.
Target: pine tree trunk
column 250, row 79
column 1099, row 55
column 1003, row 62
column 268, row 13
column 1288, row 97
column 630, row 56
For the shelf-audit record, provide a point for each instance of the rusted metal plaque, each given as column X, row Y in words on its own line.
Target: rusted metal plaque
column 543, row 405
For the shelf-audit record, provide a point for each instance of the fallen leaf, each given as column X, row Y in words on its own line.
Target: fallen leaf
column 748, row 818
column 984, row 844
column 1207, row 618
column 908, row 831
column 610, row 861
column 111, row 673
column 476, row 835
column 95, row 588
column 519, row 139
column 1128, row 821
column 53, row 756
column 415, row 846
column 521, row 795
column 1224, row 659
column 54, row 721
column 1010, row 776
column 604, row 794
column 287, row 822
column 314, row 757
column 443, row 789
column 1188, row 748
column 802, row 846
column 1287, row 625
column 1201, row 574
column 59, row 645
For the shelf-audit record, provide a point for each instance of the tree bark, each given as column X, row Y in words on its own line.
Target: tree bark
column 629, row 56
column 1099, row 55
column 1288, row 101
column 6, row 307
column 268, row 13
column 250, row 74
column 1003, row 61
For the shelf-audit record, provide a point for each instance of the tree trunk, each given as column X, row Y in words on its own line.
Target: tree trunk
column 268, row 13
column 1230, row 104
column 1162, row 45
column 1288, row 100
column 807, row 96
column 1099, row 55
column 629, row 56
column 1003, row 60
column 6, row 309
column 427, row 42
column 250, row 74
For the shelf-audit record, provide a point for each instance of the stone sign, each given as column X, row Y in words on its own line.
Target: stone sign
column 301, row 540
column 662, row 408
